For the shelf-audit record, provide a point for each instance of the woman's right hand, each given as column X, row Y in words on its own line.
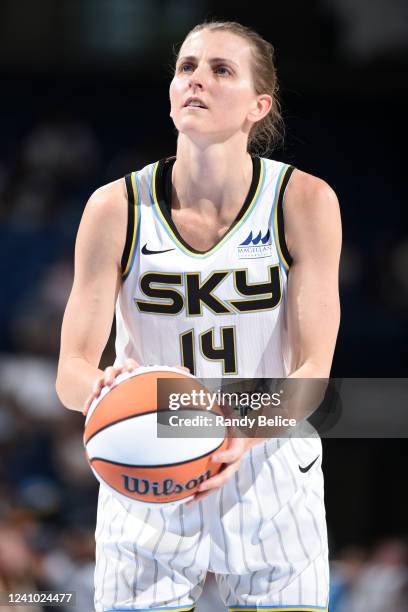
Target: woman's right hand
column 108, row 378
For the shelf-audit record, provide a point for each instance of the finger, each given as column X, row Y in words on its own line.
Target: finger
column 108, row 378
column 97, row 387
column 87, row 404
column 110, row 374
column 184, row 368
column 199, row 497
column 131, row 364
column 220, row 479
column 232, row 453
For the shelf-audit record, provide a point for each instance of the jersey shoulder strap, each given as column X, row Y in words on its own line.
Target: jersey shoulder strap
column 133, row 223
column 278, row 218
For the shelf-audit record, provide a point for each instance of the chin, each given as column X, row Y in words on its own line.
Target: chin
column 206, row 132
column 194, row 129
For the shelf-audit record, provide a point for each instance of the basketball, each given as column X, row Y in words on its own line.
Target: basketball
column 123, row 448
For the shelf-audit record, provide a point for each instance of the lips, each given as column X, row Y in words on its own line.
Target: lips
column 194, row 102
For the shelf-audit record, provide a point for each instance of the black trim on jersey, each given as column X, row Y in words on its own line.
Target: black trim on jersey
column 130, row 223
column 281, row 225
column 164, row 192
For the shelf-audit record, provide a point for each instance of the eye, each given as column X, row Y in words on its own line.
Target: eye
column 222, row 70
column 186, row 67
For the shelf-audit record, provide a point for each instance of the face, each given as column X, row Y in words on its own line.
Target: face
column 212, row 94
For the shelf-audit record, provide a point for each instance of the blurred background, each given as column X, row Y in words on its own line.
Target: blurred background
column 84, row 100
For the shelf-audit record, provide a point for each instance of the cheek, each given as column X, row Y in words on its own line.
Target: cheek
column 175, row 97
column 244, row 92
column 238, row 101
column 176, row 87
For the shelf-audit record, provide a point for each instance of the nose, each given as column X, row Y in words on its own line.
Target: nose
column 198, row 78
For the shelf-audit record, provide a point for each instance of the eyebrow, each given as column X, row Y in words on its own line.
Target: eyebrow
column 213, row 60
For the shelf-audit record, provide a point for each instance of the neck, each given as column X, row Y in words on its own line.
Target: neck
column 217, row 176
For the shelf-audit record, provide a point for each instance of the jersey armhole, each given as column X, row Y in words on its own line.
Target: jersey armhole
column 132, row 226
column 284, row 251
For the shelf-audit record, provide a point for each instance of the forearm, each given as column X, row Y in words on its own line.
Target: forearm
column 75, row 380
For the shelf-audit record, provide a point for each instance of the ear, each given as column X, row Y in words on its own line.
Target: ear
column 261, row 108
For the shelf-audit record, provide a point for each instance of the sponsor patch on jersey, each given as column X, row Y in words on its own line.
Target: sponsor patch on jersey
column 256, row 246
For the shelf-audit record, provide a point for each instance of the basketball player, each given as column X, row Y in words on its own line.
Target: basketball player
column 226, row 263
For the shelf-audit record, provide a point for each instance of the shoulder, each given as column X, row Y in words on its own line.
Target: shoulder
column 307, row 193
column 104, row 221
column 109, row 198
column 311, row 212
column 106, row 208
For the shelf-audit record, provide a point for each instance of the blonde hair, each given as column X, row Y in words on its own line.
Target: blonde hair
column 267, row 133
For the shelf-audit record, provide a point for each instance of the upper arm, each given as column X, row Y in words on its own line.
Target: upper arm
column 313, row 236
column 98, row 251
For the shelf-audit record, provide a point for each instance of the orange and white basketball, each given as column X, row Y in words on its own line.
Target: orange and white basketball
column 125, row 452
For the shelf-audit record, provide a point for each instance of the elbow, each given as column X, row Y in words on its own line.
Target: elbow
column 60, row 389
column 319, row 369
column 313, row 368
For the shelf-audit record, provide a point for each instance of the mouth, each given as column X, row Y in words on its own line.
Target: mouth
column 194, row 102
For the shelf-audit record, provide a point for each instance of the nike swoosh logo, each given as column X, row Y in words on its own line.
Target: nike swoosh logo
column 307, row 468
column 147, row 251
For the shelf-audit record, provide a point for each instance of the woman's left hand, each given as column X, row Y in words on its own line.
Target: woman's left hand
column 231, row 457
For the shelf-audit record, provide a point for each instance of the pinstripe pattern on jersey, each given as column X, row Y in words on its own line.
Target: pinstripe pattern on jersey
column 262, row 517
column 276, row 596
column 137, row 559
column 241, row 521
column 231, row 232
column 99, row 551
column 119, row 558
column 289, row 573
column 176, row 551
column 225, row 547
column 274, row 219
column 154, row 556
column 194, row 560
column 275, row 524
column 293, row 448
column 227, row 552
column 314, row 522
column 136, row 225
column 295, row 520
column 104, row 581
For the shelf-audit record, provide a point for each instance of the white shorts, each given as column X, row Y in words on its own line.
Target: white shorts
column 263, row 534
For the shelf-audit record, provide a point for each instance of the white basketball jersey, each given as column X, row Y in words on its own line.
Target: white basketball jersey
column 221, row 312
